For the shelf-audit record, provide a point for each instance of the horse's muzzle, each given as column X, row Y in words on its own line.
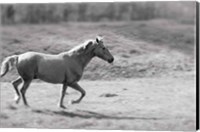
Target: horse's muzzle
column 110, row 60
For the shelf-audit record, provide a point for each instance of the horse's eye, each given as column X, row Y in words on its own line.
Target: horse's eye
column 104, row 48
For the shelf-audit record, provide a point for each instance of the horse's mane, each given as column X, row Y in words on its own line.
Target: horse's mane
column 82, row 48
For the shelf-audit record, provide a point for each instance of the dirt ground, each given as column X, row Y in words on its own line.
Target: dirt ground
column 150, row 86
column 136, row 104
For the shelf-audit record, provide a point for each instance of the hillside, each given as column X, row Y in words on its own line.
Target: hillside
column 141, row 48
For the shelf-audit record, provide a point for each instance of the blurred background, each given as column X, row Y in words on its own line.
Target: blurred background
column 97, row 12
column 147, row 39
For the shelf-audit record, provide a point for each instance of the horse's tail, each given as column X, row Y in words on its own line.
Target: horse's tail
column 8, row 63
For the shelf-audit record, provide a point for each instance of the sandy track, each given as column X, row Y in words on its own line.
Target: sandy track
column 139, row 104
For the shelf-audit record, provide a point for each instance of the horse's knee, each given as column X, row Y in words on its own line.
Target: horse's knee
column 22, row 90
column 83, row 93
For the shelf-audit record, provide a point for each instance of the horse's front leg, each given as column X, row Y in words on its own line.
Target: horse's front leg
column 63, row 92
column 78, row 88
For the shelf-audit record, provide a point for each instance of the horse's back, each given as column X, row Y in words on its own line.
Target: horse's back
column 35, row 57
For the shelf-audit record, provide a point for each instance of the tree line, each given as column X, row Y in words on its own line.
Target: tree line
column 96, row 12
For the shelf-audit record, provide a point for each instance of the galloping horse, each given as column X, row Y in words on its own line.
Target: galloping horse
column 64, row 68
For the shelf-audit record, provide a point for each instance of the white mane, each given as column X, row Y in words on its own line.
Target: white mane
column 81, row 48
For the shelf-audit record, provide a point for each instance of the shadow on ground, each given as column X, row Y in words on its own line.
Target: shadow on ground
column 90, row 114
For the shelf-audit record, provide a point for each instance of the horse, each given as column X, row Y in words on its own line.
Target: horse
column 65, row 68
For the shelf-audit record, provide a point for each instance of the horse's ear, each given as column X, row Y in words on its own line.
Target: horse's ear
column 99, row 39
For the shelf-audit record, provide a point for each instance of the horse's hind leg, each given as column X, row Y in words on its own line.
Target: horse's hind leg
column 78, row 88
column 15, row 84
column 23, row 90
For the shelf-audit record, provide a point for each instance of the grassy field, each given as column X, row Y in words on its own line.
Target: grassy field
column 137, row 104
column 151, row 84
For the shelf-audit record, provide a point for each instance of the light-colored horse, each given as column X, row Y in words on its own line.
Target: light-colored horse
column 65, row 68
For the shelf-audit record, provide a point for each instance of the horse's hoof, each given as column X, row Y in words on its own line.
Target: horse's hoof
column 17, row 99
column 75, row 101
column 62, row 106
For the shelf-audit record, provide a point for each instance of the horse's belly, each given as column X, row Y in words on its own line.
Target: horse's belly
column 52, row 73
column 58, row 81
column 51, row 78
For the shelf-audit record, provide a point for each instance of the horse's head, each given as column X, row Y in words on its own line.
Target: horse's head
column 101, row 51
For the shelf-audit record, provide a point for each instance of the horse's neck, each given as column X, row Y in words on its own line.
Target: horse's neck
column 84, row 59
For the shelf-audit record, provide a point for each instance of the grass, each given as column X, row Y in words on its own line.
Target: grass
column 136, row 104
column 141, row 48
